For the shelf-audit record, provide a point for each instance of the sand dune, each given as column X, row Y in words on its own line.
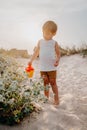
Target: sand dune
column 71, row 114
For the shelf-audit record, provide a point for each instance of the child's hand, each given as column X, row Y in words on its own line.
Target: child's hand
column 29, row 63
column 56, row 63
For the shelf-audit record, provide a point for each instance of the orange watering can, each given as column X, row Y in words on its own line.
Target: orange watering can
column 30, row 71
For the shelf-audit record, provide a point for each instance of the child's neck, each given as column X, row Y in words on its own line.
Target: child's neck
column 47, row 39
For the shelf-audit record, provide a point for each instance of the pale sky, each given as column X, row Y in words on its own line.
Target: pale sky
column 21, row 22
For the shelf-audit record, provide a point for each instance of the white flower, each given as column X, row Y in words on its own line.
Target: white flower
column 2, row 99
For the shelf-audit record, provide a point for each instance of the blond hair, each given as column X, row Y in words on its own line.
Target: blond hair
column 50, row 26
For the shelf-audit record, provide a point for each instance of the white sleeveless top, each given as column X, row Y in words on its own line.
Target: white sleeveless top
column 47, row 55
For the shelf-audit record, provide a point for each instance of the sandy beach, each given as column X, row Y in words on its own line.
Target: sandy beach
column 71, row 114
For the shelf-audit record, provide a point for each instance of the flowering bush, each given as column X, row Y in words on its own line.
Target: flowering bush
column 16, row 98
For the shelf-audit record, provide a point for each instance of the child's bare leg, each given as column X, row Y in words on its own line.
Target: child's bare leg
column 55, row 91
column 46, row 83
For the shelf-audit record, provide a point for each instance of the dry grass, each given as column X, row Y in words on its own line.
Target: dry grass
column 15, row 53
column 71, row 51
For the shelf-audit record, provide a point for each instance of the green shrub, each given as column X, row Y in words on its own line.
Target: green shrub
column 16, row 98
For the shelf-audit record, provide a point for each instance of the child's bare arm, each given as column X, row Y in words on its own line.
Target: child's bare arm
column 35, row 54
column 57, row 54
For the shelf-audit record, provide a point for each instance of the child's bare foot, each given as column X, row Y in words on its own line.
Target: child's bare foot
column 56, row 103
